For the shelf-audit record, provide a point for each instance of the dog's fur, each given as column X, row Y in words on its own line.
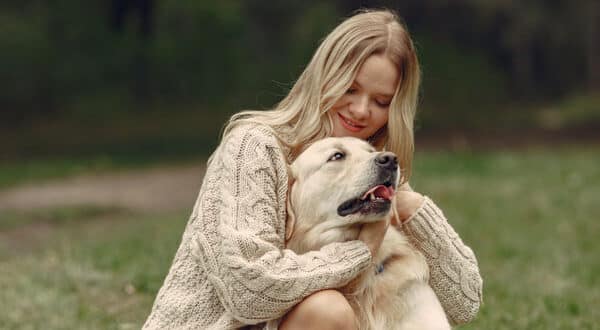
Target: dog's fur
column 321, row 181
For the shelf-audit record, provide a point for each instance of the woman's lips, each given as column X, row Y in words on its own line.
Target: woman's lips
column 350, row 125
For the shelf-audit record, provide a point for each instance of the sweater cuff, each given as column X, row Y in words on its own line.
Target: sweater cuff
column 356, row 253
column 427, row 211
column 426, row 223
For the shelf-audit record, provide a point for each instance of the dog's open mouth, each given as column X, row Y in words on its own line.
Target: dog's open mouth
column 377, row 199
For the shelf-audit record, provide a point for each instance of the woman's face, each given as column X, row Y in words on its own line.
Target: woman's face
column 364, row 108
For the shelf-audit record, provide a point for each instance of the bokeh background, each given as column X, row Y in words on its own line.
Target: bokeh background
column 109, row 109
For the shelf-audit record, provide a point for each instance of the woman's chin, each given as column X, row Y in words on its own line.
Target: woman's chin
column 343, row 132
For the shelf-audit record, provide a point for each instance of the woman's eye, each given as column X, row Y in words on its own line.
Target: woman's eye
column 351, row 91
column 336, row 156
column 383, row 104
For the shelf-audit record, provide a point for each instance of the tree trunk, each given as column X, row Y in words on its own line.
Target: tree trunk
column 522, row 66
column 593, row 46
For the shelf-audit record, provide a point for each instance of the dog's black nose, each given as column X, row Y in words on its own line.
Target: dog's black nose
column 387, row 160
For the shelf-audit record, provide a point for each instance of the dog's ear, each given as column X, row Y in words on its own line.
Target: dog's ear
column 290, row 221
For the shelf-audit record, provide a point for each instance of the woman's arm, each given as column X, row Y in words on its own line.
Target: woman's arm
column 454, row 273
column 239, row 235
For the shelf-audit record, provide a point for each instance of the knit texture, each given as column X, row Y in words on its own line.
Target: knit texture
column 232, row 268
column 454, row 273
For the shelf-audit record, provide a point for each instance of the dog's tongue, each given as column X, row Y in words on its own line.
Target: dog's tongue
column 380, row 191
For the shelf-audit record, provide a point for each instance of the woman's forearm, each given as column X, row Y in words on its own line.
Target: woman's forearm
column 454, row 273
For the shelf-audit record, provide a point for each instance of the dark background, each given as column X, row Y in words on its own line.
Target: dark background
column 158, row 79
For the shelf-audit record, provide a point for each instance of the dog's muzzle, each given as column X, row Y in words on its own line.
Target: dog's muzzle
column 377, row 198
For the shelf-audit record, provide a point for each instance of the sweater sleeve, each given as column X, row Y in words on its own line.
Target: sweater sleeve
column 242, row 250
column 454, row 273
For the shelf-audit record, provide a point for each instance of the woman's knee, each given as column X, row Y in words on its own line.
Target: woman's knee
column 327, row 309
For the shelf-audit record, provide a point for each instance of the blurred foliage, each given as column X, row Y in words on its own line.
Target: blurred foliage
column 578, row 111
column 449, row 83
column 90, row 64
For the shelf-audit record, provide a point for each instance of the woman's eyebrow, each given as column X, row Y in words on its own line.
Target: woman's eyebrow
column 356, row 83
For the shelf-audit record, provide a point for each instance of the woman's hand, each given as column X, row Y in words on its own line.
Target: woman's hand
column 407, row 202
column 372, row 234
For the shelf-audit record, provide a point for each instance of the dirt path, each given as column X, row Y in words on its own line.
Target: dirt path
column 155, row 189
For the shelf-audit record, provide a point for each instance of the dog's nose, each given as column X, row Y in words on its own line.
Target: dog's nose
column 387, row 160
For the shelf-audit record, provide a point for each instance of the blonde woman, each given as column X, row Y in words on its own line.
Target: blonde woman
column 232, row 269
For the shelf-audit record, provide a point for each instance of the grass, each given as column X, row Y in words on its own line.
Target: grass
column 530, row 216
column 101, row 273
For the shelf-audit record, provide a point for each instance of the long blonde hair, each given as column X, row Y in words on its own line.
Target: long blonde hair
column 302, row 116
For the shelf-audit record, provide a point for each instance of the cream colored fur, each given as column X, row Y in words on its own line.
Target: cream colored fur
column 397, row 298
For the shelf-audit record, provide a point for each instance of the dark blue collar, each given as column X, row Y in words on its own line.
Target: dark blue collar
column 379, row 269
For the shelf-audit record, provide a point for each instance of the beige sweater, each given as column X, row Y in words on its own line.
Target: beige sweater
column 231, row 268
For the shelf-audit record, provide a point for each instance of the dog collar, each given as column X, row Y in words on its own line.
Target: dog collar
column 379, row 269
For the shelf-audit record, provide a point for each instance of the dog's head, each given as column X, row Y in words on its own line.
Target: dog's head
column 338, row 184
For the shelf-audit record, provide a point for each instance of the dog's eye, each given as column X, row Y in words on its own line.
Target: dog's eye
column 336, row 156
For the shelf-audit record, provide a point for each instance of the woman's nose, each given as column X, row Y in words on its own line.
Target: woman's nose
column 359, row 108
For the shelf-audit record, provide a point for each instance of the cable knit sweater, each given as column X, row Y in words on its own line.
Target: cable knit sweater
column 232, row 268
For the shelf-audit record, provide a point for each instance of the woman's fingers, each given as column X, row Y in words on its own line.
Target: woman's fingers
column 407, row 203
column 372, row 234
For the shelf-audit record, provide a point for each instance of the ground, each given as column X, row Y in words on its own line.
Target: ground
column 160, row 188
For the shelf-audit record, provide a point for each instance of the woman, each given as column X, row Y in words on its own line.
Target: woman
column 232, row 269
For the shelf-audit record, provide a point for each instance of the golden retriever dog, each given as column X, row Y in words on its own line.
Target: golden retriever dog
column 336, row 186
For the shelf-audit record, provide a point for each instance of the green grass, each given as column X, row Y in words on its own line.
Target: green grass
column 530, row 216
column 14, row 172
column 12, row 220
column 99, row 273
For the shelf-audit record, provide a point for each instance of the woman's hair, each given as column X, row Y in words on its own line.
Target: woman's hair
column 302, row 116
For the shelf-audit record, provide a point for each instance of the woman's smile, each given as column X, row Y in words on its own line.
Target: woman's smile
column 349, row 124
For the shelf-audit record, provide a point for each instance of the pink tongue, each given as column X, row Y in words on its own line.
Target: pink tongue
column 380, row 191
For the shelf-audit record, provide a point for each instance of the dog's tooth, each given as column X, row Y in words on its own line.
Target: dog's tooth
column 372, row 196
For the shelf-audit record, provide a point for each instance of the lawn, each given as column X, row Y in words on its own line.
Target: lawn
column 531, row 216
column 532, row 219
